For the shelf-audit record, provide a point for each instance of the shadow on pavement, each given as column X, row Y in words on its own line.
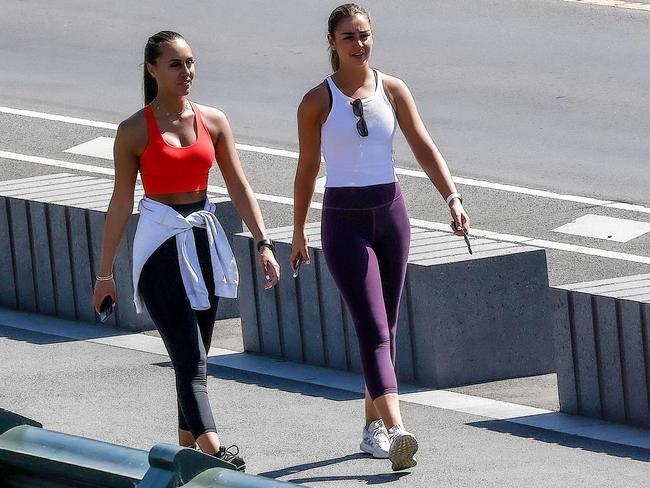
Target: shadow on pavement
column 566, row 440
column 370, row 479
column 81, row 332
column 38, row 338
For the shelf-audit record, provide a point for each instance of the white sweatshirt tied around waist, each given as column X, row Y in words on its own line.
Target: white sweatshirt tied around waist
column 158, row 222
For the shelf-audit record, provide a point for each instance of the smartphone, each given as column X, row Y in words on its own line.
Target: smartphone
column 105, row 309
column 297, row 268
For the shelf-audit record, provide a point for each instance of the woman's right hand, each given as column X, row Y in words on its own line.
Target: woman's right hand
column 299, row 249
column 103, row 289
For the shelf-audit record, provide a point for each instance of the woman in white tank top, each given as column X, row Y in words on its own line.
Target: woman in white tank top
column 352, row 117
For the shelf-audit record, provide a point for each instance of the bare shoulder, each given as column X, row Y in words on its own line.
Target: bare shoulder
column 395, row 86
column 132, row 132
column 214, row 119
column 315, row 103
column 211, row 114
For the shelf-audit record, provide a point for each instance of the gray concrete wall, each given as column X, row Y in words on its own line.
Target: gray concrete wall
column 603, row 348
column 463, row 319
column 51, row 228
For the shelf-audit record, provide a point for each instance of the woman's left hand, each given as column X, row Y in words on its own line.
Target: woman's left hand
column 460, row 219
column 271, row 268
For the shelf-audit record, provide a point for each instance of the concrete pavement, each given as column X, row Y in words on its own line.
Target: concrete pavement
column 291, row 430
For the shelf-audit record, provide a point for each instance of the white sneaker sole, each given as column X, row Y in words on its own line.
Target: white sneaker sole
column 402, row 451
column 375, row 453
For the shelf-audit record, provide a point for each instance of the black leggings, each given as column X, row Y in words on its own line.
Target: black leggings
column 187, row 333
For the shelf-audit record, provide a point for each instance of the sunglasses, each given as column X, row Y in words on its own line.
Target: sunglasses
column 357, row 110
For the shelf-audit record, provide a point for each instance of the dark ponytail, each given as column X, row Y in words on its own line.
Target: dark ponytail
column 151, row 53
column 338, row 14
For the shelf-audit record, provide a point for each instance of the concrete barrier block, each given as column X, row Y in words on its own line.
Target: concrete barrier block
column 502, row 329
column 609, row 358
column 232, row 224
column 404, row 357
column 309, row 310
column 564, row 357
column 594, row 286
column 331, row 314
column 422, row 289
column 268, row 311
column 51, row 224
column 61, row 265
column 22, row 255
column 351, row 341
column 41, row 260
column 610, row 344
column 645, row 327
column 228, row 217
column 83, row 276
column 7, row 284
column 141, row 321
column 95, row 235
column 290, row 333
column 125, row 314
column 586, row 359
column 247, row 297
column 634, row 363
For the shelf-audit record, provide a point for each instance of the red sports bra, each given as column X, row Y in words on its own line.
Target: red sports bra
column 168, row 169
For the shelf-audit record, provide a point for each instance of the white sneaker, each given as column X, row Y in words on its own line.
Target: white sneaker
column 403, row 447
column 375, row 440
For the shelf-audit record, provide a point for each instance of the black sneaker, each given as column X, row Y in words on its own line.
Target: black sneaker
column 231, row 458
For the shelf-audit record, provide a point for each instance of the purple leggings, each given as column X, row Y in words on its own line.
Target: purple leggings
column 365, row 233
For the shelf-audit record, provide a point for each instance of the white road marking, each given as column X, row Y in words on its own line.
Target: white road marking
column 267, row 150
column 316, row 205
column 530, row 241
column 56, row 163
column 106, row 152
column 99, row 147
column 400, row 171
column 58, row 118
column 341, row 380
column 607, row 228
column 614, row 3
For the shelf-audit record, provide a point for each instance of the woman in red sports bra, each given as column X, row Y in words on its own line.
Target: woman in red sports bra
column 173, row 143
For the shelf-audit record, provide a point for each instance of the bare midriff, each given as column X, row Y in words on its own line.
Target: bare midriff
column 180, row 198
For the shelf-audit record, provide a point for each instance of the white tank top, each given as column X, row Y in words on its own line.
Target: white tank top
column 352, row 160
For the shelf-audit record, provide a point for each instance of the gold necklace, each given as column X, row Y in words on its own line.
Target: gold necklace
column 168, row 114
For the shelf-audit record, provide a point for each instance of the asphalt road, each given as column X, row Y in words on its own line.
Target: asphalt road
column 544, row 94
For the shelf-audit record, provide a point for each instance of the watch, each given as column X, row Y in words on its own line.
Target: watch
column 265, row 243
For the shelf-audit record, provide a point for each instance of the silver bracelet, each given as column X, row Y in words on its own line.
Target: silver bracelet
column 104, row 278
column 452, row 196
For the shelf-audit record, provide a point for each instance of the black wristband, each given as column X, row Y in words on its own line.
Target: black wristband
column 265, row 243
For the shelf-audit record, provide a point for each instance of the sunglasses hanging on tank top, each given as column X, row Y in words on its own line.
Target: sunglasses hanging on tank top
column 357, row 110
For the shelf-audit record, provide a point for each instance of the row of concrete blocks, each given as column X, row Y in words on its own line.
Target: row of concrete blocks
column 603, row 348
column 52, row 245
column 33, row 456
column 463, row 319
